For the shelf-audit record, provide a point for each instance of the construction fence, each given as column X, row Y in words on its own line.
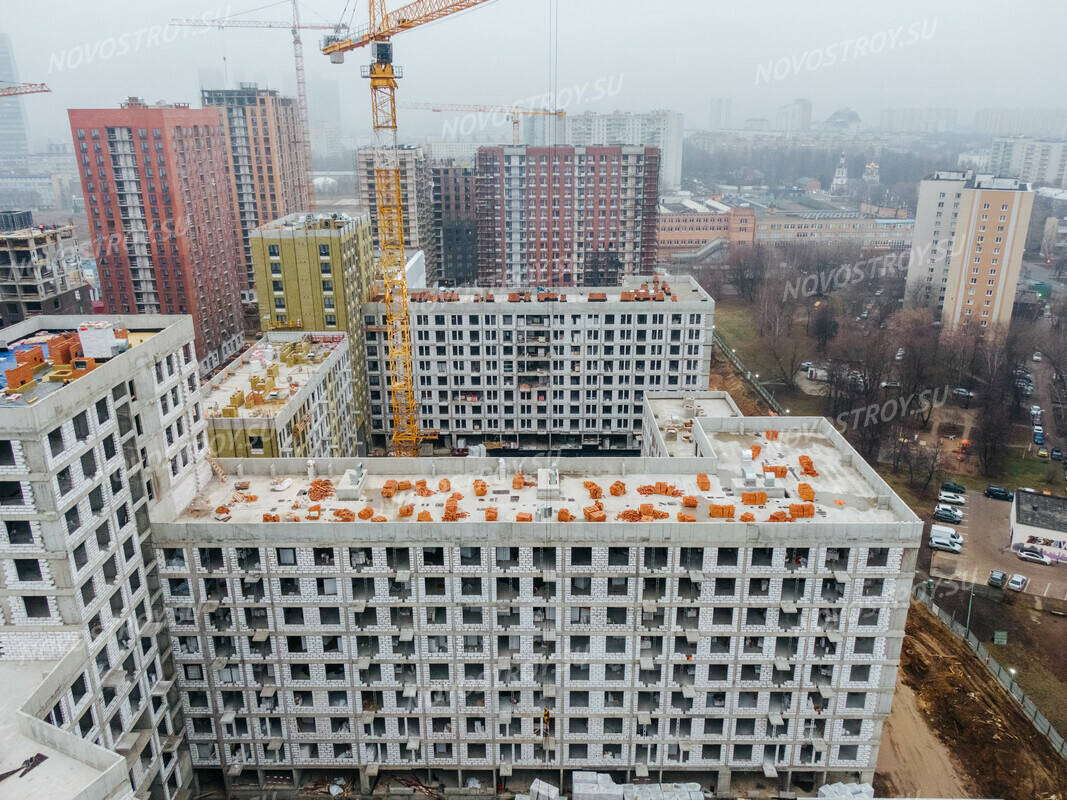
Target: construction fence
column 746, row 375
column 1042, row 725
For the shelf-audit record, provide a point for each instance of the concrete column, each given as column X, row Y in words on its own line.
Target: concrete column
column 722, row 783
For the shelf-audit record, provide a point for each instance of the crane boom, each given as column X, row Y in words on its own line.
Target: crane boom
column 23, row 88
column 248, row 23
column 384, row 24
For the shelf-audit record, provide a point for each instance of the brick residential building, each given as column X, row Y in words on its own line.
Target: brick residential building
column 266, row 160
column 161, row 216
column 542, row 211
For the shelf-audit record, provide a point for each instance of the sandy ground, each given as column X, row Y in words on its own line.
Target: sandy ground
column 912, row 762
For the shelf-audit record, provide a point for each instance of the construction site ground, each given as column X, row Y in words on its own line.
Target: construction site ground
column 955, row 732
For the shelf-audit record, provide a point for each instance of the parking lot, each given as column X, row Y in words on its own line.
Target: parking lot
column 986, row 547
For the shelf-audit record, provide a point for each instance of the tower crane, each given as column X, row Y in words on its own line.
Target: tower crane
column 385, row 24
column 298, row 58
column 23, row 88
column 513, row 112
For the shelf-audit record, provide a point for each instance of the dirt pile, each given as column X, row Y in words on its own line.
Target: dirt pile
column 974, row 716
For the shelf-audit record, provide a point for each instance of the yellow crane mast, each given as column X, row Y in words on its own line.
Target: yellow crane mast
column 385, row 24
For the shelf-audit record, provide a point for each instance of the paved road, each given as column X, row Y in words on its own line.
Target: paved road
column 986, row 547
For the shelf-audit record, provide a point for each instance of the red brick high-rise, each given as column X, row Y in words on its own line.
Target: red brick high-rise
column 565, row 216
column 161, row 216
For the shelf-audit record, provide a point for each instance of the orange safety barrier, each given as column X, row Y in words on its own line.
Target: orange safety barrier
column 518, row 481
column 703, row 482
column 444, row 485
column 424, row 516
column 594, row 490
column 689, row 501
column 799, row 510
column 267, row 517
column 524, row 516
column 480, row 488
column 806, row 492
column 753, row 498
column 777, row 470
column 747, row 517
column 564, row 515
column 490, row 514
column 617, row 489
column 389, row 488
column 686, row 517
column 771, row 435
column 721, row 512
column 366, row 513
column 406, row 511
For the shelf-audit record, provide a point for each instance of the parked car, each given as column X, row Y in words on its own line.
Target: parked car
column 1042, row 452
column 941, row 532
column 1039, row 438
column 1035, row 557
column 951, row 498
column 1037, row 356
column 997, row 579
column 900, row 354
column 946, row 545
column 1035, row 410
column 1017, row 582
column 950, row 514
column 806, row 365
column 960, row 392
column 999, row 493
column 1039, row 429
column 1057, row 454
column 955, row 488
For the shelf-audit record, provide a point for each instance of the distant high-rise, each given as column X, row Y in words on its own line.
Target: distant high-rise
column 662, row 129
column 416, row 186
column 794, row 117
column 13, row 139
column 161, row 214
column 967, row 251
column 918, row 120
column 1039, row 161
column 721, row 113
column 266, row 160
column 543, row 212
column 1051, row 122
column 454, row 216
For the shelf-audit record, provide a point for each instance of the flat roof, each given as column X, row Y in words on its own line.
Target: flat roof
column 307, row 220
column 1041, row 510
column 637, row 289
column 675, row 416
column 842, row 493
column 50, row 378
column 307, row 356
column 59, row 776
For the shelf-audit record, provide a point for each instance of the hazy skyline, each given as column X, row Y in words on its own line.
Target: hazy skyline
column 659, row 54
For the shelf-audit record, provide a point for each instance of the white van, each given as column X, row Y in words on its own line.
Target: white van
column 944, row 539
column 945, row 532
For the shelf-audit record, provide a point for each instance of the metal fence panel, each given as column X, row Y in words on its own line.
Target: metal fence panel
column 1029, row 707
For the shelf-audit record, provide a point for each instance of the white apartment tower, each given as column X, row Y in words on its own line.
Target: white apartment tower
column 96, row 432
column 523, row 370
column 1039, row 161
column 687, row 618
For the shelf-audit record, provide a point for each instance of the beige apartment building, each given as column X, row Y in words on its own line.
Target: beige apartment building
column 970, row 235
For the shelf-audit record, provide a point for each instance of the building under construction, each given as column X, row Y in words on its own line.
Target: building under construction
column 734, row 613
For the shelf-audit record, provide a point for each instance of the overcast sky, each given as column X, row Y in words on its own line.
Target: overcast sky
column 655, row 53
